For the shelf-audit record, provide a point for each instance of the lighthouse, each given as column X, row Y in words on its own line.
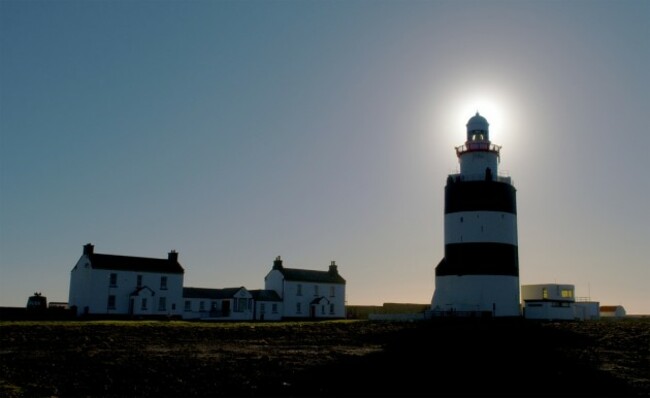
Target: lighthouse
column 479, row 273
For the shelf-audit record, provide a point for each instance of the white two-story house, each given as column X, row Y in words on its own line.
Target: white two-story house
column 106, row 284
column 308, row 293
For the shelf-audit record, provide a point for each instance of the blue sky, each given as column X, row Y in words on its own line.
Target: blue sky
column 236, row 131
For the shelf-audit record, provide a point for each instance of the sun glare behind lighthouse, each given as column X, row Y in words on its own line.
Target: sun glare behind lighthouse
column 491, row 108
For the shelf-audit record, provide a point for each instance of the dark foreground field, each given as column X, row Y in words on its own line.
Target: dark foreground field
column 344, row 358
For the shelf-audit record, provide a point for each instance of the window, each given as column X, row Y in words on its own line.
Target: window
column 315, row 290
column 274, row 308
column 331, row 309
column 322, row 309
column 544, row 293
column 299, row 292
column 297, row 308
column 567, row 293
column 163, row 283
column 201, row 306
column 144, row 304
column 113, row 280
column 111, row 302
column 139, row 282
column 188, row 305
column 332, row 291
column 262, row 308
column 162, row 304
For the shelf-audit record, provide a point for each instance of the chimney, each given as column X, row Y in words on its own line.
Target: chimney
column 173, row 256
column 277, row 264
column 333, row 268
column 89, row 249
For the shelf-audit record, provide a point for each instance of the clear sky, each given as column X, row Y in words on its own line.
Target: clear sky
column 237, row 131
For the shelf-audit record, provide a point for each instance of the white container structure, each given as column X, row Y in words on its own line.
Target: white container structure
column 549, row 301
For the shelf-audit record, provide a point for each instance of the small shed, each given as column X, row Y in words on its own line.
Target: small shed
column 612, row 311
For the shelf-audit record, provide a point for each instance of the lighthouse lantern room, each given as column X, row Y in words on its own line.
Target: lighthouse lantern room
column 479, row 273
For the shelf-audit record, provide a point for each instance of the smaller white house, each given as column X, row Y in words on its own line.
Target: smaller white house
column 308, row 293
column 548, row 301
column 106, row 284
column 228, row 304
column 268, row 305
column 612, row 311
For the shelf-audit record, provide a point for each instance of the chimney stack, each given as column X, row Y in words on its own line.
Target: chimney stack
column 277, row 264
column 173, row 256
column 333, row 268
column 88, row 249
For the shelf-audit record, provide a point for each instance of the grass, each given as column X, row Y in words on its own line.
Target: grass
column 326, row 358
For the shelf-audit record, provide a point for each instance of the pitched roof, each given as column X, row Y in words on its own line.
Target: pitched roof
column 307, row 275
column 609, row 308
column 201, row 292
column 265, row 295
column 129, row 263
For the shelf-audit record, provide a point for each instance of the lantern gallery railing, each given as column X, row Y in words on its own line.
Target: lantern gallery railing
column 478, row 147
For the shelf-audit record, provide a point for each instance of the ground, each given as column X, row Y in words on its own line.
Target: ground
column 333, row 358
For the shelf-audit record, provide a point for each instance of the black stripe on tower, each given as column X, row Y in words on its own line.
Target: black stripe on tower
column 479, row 195
column 480, row 258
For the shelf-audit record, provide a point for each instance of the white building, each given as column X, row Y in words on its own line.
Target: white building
column 612, row 311
column 549, row 301
column 228, row 304
column 585, row 310
column 479, row 273
column 308, row 293
column 123, row 285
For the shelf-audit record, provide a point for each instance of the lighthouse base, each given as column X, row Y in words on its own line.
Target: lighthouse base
column 496, row 294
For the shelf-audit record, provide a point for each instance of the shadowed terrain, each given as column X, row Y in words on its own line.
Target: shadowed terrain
column 334, row 358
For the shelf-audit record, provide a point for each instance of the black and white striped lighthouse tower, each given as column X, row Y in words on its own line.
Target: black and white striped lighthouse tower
column 480, row 269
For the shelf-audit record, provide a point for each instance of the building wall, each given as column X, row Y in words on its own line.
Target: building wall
column 549, row 310
column 587, row 310
column 80, row 293
column 483, row 293
column 548, row 291
column 240, row 307
column 199, row 308
column 274, row 280
column 264, row 310
column 473, row 165
column 299, row 295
